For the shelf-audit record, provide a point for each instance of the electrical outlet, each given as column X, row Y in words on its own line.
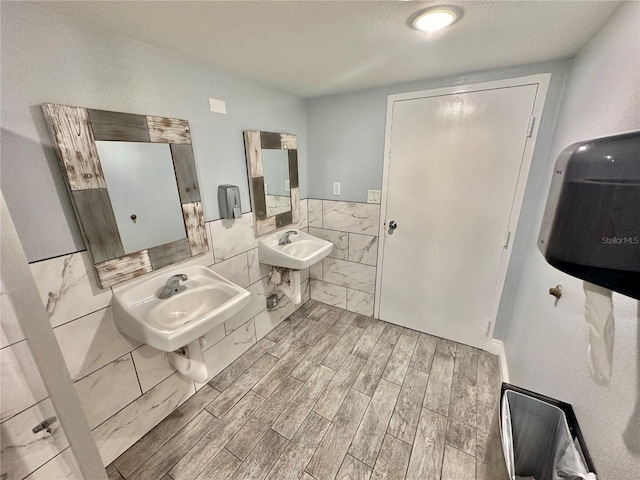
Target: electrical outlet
column 287, row 186
column 373, row 196
column 272, row 301
column 336, row 188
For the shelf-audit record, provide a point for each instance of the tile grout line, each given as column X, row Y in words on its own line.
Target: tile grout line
column 81, row 317
column 231, row 258
column 385, row 430
column 370, row 399
column 116, row 468
column 164, row 442
column 138, row 376
column 304, row 470
column 331, row 423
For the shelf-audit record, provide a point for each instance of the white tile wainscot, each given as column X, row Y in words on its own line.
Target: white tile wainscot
column 349, row 274
column 257, row 303
column 61, row 467
column 22, row 451
column 68, row 287
column 267, row 320
column 10, row 330
column 346, row 278
column 126, row 388
column 360, row 302
column 214, row 336
column 131, row 423
column 232, row 237
column 340, row 241
column 363, row 249
column 235, row 269
column 257, row 270
column 351, row 217
column 328, row 293
column 315, row 271
column 19, row 371
column 306, row 290
column 91, row 342
column 219, row 356
column 303, row 221
column 24, row 403
column 108, row 390
column 151, row 366
column 315, row 212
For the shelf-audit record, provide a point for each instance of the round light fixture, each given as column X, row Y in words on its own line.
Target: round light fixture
column 433, row 19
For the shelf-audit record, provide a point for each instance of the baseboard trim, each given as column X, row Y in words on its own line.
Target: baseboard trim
column 497, row 348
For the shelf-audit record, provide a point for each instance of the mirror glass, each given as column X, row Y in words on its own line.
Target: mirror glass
column 143, row 191
column 276, row 181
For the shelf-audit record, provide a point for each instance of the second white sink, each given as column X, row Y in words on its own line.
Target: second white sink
column 303, row 250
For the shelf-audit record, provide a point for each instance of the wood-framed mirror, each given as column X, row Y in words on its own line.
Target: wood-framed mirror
column 134, row 188
column 272, row 163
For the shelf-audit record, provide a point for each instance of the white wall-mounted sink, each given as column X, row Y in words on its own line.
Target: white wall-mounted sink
column 171, row 323
column 303, row 251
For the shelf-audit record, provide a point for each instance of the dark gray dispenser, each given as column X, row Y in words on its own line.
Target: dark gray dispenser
column 229, row 201
column 591, row 224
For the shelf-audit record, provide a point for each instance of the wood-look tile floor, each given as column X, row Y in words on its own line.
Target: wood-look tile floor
column 331, row 394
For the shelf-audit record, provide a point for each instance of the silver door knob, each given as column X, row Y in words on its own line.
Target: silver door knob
column 393, row 225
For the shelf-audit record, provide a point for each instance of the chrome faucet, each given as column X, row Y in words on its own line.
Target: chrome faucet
column 173, row 286
column 284, row 239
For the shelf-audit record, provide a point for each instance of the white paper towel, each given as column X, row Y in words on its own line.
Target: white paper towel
column 598, row 312
column 291, row 287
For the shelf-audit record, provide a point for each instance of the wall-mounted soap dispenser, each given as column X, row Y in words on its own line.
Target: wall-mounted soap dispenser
column 229, row 201
column 591, row 224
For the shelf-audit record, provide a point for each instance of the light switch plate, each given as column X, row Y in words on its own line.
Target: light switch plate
column 217, row 106
column 373, row 196
column 336, row 188
column 287, row 186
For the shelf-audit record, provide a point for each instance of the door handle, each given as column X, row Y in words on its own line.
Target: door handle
column 393, row 225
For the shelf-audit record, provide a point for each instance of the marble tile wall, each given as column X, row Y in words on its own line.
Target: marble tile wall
column 24, row 404
column 347, row 277
column 125, row 387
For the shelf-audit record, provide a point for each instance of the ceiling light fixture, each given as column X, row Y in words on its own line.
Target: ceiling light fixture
column 436, row 18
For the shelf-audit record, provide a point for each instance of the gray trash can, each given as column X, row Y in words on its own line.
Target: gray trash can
column 541, row 438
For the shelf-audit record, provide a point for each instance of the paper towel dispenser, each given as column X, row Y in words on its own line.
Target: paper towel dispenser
column 591, row 224
column 229, row 201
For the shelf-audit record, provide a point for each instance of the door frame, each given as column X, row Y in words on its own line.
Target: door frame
column 43, row 346
column 542, row 80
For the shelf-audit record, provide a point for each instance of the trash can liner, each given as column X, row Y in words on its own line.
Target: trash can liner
column 537, row 441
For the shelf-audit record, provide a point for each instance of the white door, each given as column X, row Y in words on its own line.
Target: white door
column 454, row 165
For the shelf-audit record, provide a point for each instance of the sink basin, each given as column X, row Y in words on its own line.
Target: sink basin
column 303, row 251
column 172, row 323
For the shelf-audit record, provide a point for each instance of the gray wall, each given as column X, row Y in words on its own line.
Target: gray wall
column 49, row 58
column 546, row 345
column 345, row 143
column 346, row 131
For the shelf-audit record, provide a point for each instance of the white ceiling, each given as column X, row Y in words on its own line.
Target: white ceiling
column 313, row 48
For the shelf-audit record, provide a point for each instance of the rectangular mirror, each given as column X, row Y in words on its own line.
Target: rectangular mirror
column 133, row 186
column 272, row 163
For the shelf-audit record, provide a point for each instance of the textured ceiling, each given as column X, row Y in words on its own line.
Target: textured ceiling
column 314, row 48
